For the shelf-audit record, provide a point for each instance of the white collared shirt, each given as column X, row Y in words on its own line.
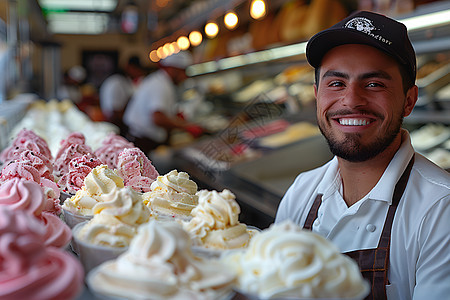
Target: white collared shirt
column 156, row 92
column 420, row 237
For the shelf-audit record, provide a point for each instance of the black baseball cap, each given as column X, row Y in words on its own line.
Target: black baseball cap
column 367, row 28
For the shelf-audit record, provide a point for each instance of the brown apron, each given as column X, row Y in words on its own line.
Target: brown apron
column 373, row 263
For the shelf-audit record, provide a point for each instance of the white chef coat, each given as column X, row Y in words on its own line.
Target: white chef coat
column 156, row 92
column 420, row 237
column 114, row 93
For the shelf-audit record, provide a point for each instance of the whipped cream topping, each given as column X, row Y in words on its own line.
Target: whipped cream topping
column 160, row 265
column 215, row 222
column 287, row 261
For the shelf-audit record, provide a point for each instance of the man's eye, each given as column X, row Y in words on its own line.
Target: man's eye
column 335, row 84
column 375, row 84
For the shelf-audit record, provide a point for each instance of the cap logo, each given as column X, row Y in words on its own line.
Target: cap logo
column 366, row 26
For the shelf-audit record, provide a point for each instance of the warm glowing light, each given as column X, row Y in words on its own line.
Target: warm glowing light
column 160, row 52
column 176, row 48
column 211, row 30
column 195, row 37
column 153, row 56
column 183, row 43
column 257, row 9
column 231, row 20
column 167, row 49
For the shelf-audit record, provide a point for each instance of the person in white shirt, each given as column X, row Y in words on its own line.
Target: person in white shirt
column 152, row 111
column 378, row 200
column 117, row 89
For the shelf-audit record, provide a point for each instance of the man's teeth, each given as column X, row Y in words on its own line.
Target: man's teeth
column 353, row 122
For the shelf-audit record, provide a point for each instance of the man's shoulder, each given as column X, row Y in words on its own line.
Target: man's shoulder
column 430, row 174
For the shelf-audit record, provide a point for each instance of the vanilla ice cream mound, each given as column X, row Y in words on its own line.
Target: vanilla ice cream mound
column 101, row 180
column 215, row 223
column 116, row 219
column 287, row 261
column 172, row 194
column 160, row 265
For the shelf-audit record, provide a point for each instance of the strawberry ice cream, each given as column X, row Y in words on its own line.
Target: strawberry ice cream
column 111, row 147
column 71, row 147
column 79, row 168
column 22, row 195
column 31, row 270
column 39, row 161
column 26, row 139
column 24, row 170
column 136, row 169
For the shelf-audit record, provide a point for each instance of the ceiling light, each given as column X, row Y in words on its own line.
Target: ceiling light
column 77, row 23
column 428, row 20
column 183, row 43
column 176, row 48
column 195, row 37
column 231, row 20
column 257, row 9
column 211, row 30
column 87, row 5
column 154, row 56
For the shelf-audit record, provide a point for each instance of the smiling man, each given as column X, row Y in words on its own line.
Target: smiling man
column 381, row 203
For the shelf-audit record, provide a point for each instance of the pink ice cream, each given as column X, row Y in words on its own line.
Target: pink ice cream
column 136, row 169
column 39, row 161
column 73, row 138
column 111, row 147
column 79, row 168
column 31, row 270
column 22, row 195
column 26, row 139
column 71, row 147
column 24, row 170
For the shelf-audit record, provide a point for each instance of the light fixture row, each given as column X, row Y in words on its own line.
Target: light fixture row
column 211, row 29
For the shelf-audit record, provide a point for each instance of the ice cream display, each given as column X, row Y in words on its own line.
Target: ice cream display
column 287, row 261
column 116, row 218
column 101, row 180
column 26, row 139
column 136, row 169
column 21, row 195
column 114, row 224
column 173, row 195
column 215, row 223
column 160, row 265
column 25, row 170
column 109, row 151
column 79, row 168
column 71, row 147
column 31, row 270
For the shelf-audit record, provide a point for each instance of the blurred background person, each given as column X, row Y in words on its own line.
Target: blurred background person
column 117, row 89
column 71, row 85
column 152, row 111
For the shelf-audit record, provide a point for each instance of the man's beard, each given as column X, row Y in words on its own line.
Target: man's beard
column 351, row 148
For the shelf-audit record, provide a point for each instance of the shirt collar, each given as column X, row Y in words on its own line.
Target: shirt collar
column 384, row 189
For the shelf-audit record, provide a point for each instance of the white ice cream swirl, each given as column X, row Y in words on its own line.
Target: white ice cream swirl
column 160, row 265
column 101, row 180
column 172, row 194
column 116, row 219
column 215, row 222
column 287, row 261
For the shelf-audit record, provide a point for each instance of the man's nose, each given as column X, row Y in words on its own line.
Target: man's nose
column 354, row 96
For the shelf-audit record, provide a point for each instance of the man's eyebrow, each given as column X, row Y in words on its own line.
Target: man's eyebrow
column 374, row 74
column 332, row 73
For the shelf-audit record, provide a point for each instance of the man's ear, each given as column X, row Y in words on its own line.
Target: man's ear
column 315, row 90
column 411, row 98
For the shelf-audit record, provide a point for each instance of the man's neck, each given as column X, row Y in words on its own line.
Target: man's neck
column 359, row 178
